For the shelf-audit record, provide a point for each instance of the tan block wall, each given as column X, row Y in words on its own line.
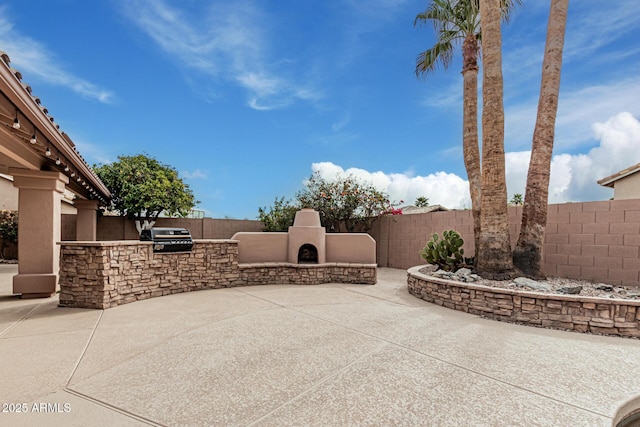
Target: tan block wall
column 112, row 228
column 597, row 241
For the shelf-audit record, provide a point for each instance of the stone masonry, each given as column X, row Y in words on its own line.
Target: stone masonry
column 101, row 275
column 574, row 313
column 307, row 274
column 107, row 274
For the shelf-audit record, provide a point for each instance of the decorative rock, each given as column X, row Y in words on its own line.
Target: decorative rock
column 571, row 290
column 604, row 287
column 529, row 283
column 443, row 274
column 463, row 272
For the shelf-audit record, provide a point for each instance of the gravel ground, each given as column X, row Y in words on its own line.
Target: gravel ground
column 589, row 288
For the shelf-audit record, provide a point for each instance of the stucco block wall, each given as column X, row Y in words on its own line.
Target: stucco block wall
column 358, row 248
column 262, row 247
column 351, row 248
column 597, row 241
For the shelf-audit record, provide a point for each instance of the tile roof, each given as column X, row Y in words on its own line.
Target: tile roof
column 56, row 148
column 608, row 181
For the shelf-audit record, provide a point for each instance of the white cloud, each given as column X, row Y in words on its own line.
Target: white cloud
column 196, row 174
column 573, row 176
column 228, row 41
column 577, row 110
column 32, row 57
column 341, row 124
column 441, row 188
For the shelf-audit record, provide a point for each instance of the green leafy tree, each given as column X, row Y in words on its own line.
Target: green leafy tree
column 142, row 188
column 280, row 216
column 345, row 203
column 422, row 202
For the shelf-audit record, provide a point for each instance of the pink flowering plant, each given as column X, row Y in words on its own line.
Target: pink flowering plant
column 345, row 204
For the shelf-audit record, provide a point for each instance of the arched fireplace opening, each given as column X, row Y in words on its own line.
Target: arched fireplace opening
column 307, row 254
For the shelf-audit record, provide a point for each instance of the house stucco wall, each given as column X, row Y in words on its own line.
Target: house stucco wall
column 627, row 188
column 8, row 194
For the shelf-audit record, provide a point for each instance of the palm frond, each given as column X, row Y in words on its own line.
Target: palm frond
column 506, row 7
column 428, row 61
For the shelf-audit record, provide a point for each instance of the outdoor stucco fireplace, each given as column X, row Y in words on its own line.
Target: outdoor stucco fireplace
column 307, row 239
column 307, row 254
column 305, row 244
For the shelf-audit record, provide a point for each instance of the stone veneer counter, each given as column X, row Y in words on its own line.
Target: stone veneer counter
column 101, row 275
column 617, row 317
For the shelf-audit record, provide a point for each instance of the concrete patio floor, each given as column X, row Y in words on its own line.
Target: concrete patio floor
column 327, row 355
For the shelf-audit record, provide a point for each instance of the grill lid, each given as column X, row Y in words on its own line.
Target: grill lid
column 167, row 239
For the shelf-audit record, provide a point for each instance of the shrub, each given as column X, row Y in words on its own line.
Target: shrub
column 446, row 253
column 9, row 226
column 345, row 203
column 279, row 217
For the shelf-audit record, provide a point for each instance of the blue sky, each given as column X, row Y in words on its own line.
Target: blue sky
column 247, row 98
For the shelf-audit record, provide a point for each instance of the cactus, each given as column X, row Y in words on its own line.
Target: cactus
column 446, row 253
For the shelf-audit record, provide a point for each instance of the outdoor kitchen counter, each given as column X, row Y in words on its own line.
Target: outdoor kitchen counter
column 101, row 275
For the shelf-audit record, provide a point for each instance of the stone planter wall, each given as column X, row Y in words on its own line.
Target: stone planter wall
column 575, row 313
column 101, row 275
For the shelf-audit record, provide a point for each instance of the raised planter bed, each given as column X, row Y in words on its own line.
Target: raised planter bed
column 616, row 317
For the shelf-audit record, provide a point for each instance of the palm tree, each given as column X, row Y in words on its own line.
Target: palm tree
column 527, row 255
column 494, row 251
column 516, row 200
column 456, row 21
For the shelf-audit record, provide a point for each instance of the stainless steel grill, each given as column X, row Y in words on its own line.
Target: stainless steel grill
column 168, row 239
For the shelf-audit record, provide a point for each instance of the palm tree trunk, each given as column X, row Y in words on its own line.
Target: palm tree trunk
column 494, row 253
column 470, row 148
column 528, row 253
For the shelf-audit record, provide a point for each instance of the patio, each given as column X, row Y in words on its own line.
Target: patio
column 335, row 354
